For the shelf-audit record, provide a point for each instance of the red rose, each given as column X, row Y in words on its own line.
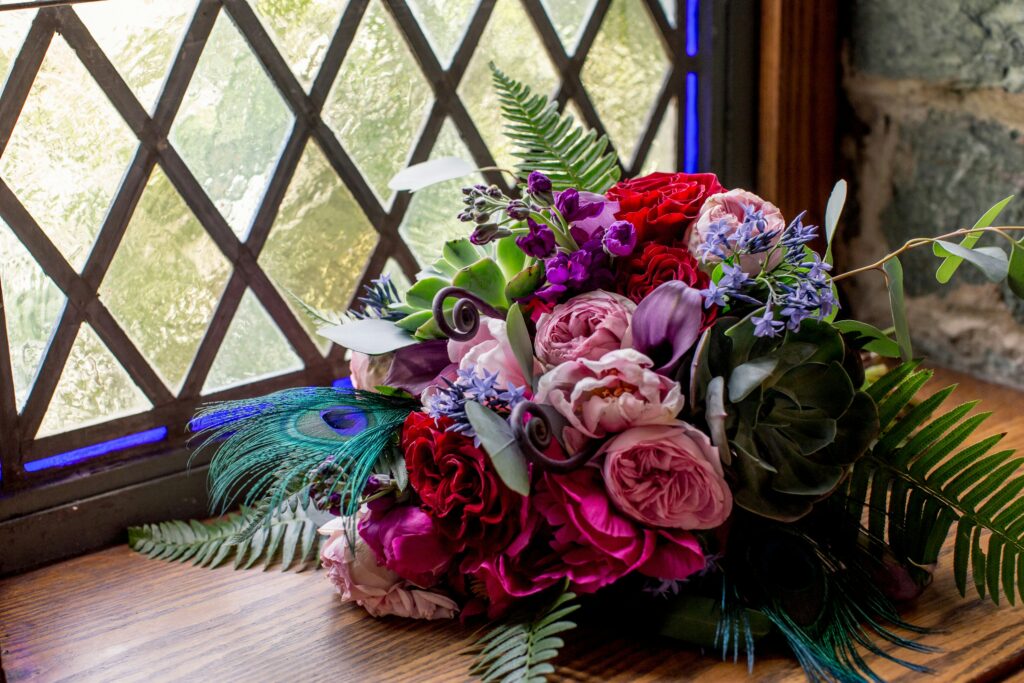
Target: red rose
column 641, row 273
column 662, row 206
column 459, row 487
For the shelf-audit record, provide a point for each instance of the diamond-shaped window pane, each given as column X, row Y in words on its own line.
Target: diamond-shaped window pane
column 431, row 218
column 569, row 18
column 140, row 37
column 662, row 155
column 320, row 241
column 231, row 126
column 444, row 22
column 301, row 30
column 669, row 6
column 253, row 348
column 165, row 280
column 12, row 34
column 397, row 275
column 64, row 161
column 32, row 304
column 93, row 388
column 624, row 73
column 379, row 101
column 511, row 43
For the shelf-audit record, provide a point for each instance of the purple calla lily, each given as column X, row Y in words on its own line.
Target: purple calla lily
column 416, row 366
column 666, row 324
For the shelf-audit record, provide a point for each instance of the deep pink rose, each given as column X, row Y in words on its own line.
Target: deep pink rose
column 359, row 579
column 490, row 351
column 404, row 540
column 612, row 394
column 598, row 544
column 667, row 476
column 730, row 208
column 586, row 326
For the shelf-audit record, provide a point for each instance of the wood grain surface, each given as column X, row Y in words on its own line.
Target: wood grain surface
column 117, row 616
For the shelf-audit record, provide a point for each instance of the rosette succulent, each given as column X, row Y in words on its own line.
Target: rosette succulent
column 788, row 413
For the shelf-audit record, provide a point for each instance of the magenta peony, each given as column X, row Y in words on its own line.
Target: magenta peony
column 667, row 476
column 612, row 394
column 359, row 579
column 404, row 540
column 584, row 327
column 730, row 208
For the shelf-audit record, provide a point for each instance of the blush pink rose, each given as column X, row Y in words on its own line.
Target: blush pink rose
column 490, row 351
column 730, row 207
column 367, row 371
column 598, row 544
column 667, row 476
column 359, row 579
column 612, row 394
column 584, row 327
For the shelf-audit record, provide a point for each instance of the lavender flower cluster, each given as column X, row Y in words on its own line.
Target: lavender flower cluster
column 471, row 385
column 798, row 288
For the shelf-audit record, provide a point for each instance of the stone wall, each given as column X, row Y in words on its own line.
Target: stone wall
column 933, row 136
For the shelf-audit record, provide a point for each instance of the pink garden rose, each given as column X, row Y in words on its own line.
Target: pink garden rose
column 380, row 591
column 667, row 476
column 368, row 372
column 404, row 540
column 612, row 394
column 598, row 544
column 586, row 326
column 730, row 207
column 490, row 351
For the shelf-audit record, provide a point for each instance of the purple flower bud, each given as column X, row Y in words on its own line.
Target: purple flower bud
column 620, row 238
column 487, row 233
column 539, row 242
column 538, row 183
column 517, row 210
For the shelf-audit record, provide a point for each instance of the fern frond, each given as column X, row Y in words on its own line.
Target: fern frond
column 919, row 479
column 522, row 651
column 550, row 143
column 290, row 535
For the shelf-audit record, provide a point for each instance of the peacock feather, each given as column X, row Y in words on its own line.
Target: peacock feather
column 272, row 447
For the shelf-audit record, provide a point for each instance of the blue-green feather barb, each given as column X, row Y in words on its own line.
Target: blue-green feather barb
column 267, row 447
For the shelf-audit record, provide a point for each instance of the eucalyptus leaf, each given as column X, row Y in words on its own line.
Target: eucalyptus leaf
column 1015, row 272
column 428, row 173
column 894, row 273
column 519, row 339
column 498, row 439
column 750, row 376
column 991, row 261
column 833, row 209
column 952, row 261
column 371, row 336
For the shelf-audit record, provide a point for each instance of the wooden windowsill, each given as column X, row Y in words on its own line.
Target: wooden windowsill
column 117, row 616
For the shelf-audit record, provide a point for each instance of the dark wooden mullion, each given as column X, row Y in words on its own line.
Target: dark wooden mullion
column 185, row 62
column 277, row 188
column 336, row 51
column 653, row 123
column 126, row 353
column 23, row 73
column 210, row 345
column 570, row 68
column 10, row 444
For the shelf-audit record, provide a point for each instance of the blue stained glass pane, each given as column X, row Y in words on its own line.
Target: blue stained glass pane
column 692, row 26
column 97, row 449
column 692, row 148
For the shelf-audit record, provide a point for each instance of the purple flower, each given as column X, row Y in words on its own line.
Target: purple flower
column 714, row 295
column 539, row 242
column 765, row 325
column 487, row 233
column 620, row 238
column 537, row 183
column 573, row 207
column 667, row 323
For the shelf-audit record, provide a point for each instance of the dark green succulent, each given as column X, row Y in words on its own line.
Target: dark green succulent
column 789, row 409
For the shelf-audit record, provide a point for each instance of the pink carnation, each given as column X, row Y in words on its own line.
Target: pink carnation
column 730, row 207
column 667, row 476
column 609, row 395
column 584, row 327
column 359, row 579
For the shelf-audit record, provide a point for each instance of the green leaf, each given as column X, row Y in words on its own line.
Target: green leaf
column 498, row 439
column 414, row 321
column 525, row 283
column 749, row 376
column 550, row 143
column 952, row 262
column 519, row 340
column 460, row 253
column 421, row 294
column 991, row 261
column 881, row 343
column 371, row 336
column 696, row 619
column 894, row 272
column 836, row 200
column 510, row 257
column 483, row 278
column 1015, row 271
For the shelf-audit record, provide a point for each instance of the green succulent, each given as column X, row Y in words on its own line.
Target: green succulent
column 497, row 273
column 790, row 410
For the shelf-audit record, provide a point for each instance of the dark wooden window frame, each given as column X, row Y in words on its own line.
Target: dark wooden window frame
column 149, row 482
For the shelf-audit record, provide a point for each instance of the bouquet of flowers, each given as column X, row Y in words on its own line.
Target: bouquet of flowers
column 629, row 388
